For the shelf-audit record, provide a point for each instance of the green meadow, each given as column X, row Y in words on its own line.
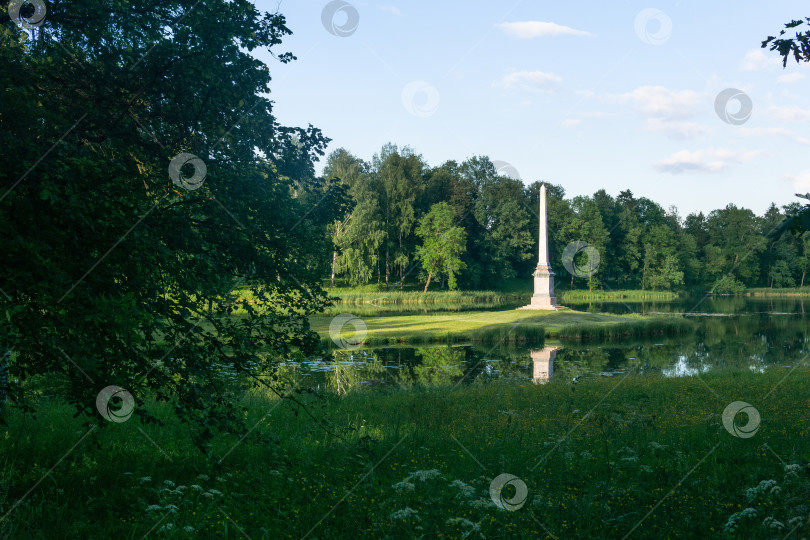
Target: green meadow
column 612, row 457
column 506, row 325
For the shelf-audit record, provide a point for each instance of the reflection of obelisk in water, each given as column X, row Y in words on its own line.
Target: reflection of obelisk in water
column 543, row 297
column 543, row 364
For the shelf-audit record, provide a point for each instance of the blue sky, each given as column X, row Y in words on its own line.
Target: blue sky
column 588, row 95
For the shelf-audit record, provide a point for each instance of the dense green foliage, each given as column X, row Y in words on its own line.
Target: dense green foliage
column 109, row 264
column 442, row 245
column 640, row 244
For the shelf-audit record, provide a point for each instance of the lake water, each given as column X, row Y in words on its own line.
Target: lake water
column 731, row 333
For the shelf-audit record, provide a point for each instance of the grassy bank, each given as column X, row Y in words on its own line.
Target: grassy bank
column 601, row 459
column 376, row 296
column 508, row 286
column 618, row 296
column 416, row 297
column 507, row 325
column 764, row 291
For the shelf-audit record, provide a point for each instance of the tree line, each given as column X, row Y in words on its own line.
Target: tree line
column 482, row 225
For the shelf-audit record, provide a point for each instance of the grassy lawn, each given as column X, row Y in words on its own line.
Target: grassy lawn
column 497, row 325
column 599, row 459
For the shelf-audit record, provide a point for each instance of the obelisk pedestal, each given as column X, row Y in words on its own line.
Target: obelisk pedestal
column 543, row 297
column 543, row 364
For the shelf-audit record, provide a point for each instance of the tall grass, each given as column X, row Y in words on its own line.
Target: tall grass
column 786, row 291
column 623, row 295
column 599, row 459
column 430, row 297
column 657, row 327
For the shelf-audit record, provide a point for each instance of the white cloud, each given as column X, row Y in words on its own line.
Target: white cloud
column 690, row 162
column 801, row 181
column 661, row 102
column 703, row 161
column 571, row 122
column 745, row 157
column 773, row 132
column 790, row 77
column 533, row 29
column 530, row 81
column 676, row 129
column 392, row 9
column 757, row 60
column 789, row 114
column 586, row 94
column 597, row 114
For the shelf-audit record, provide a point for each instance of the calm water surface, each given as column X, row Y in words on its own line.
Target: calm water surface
column 732, row 333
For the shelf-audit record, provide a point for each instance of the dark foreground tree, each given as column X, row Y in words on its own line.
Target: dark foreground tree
column 797, row 47
column 112, row 257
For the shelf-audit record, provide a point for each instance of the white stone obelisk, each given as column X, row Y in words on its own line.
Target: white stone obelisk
column 543, row 297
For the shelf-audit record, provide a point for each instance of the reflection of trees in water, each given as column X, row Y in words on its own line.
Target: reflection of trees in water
column 352, row 368
column 745, row 342
column 754, row 340
column 439, row 365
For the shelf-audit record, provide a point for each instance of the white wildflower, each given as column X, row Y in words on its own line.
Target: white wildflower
column 196, row 487
column 764, row 486
column 203, row 477
column 731, row 524
column 154, row 508
column 399, row 487
column 772, row 523
column 405, row 513
column 146, row 479
column 465, row 490
column 424, row 476
column 466, row 524
column 482, row 503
